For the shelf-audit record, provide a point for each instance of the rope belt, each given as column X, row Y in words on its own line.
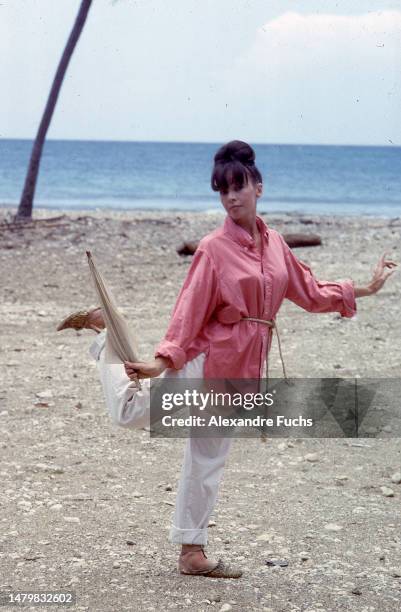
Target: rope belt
column 271, row 325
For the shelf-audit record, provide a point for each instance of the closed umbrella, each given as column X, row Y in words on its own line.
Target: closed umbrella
column 121, row 345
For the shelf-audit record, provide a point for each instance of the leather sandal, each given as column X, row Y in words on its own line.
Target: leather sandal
column 78, row 320
column 220, row 570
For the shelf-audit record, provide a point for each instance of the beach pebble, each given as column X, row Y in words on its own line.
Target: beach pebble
column 312, row 457
column 212, row 524
column 168, row 487
column 214, row 597
column 333, row 527
column 264, row 537
column 396, row 572
column 358, row 510
column 226, row 608
column 396, row 478
column 44, row 394
column 356, row 591
column 48, row 468
column 303, row 555
column 387, row 492
column 116, row 565
column 55, row 507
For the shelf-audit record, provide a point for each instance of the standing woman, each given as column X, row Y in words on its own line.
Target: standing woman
column 241, row 271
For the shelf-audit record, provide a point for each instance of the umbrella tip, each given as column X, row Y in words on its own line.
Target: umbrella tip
column 88, row 254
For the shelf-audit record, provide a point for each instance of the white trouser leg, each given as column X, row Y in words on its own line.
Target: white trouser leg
column 204, row 460
column 127, row 406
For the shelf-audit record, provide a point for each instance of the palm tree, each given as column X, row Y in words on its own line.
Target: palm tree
column 26, row 202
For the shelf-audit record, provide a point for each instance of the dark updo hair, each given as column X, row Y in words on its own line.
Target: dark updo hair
column 234, row 163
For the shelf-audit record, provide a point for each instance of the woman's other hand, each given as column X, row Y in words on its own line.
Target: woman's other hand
column 380, row 275
column 146, row 369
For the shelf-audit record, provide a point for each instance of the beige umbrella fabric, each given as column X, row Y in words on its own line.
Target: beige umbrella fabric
column 120, row 342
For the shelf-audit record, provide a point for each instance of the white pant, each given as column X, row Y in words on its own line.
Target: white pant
column 204, row 458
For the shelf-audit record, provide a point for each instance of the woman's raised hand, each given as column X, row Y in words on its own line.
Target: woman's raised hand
column 145, row 369
column 381, row 274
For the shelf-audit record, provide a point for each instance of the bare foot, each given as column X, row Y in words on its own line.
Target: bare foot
column 193, row 559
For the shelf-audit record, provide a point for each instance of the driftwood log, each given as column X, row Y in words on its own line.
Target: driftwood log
column 29, row 223
column 302, row 240
column 293, row 241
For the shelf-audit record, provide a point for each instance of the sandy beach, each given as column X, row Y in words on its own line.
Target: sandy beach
column 86, row 506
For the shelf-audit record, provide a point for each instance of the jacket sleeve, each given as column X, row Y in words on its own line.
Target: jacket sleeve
column 195, row 304
column 317, row 296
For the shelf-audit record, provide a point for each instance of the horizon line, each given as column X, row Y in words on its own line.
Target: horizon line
column 199, row 142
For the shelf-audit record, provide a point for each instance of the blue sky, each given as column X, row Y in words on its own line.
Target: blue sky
column 317, row 71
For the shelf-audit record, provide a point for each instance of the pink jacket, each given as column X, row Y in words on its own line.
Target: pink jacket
column 228, row 280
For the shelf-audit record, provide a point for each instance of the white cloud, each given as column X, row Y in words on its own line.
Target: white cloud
column 323, row 77
column 313, row 40
column 205, row 71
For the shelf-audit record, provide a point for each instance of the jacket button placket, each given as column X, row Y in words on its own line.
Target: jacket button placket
column 266, row 314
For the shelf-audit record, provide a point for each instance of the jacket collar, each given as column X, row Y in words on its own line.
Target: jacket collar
column 240, row 235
